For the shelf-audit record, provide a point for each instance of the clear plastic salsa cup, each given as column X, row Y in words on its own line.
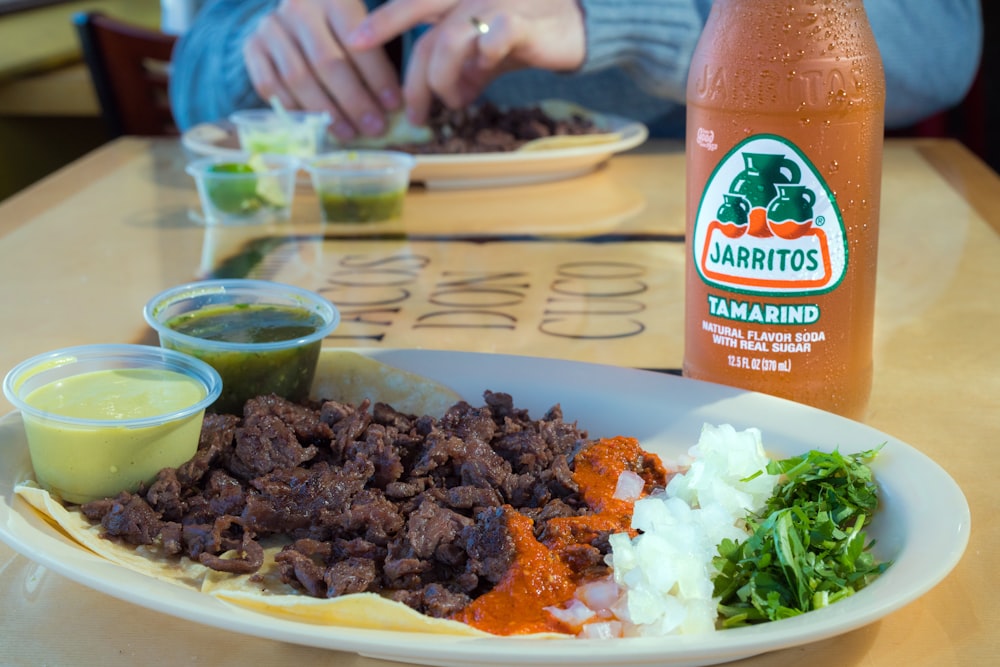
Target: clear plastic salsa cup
column 262, row 337
column 101, row 419
column 360, row 185
column 246, row 189
column 296, row 133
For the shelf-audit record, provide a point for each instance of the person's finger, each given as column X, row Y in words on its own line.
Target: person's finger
column 417, row 95
column 394, row 18
column 443, row 65
column 312, row 43
column 263, row 77
column 497, row 42
column 453, row 45
column 472, row 82
column 374, row 88
column 295, row 75
column 380, row 77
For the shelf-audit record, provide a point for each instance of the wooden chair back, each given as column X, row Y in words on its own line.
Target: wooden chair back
column 130, row 69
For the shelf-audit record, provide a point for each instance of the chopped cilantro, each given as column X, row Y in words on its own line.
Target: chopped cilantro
column 807, row 548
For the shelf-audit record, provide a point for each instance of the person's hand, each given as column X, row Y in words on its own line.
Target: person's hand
column 298, row 54
column 471, row 42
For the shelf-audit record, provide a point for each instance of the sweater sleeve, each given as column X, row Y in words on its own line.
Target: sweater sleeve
column 930, row 55
column 651, row 40
column 208, row 79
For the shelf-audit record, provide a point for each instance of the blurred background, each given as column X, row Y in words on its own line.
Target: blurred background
column 50, row 114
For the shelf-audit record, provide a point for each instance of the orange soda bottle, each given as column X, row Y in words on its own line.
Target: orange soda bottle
column 785, row 107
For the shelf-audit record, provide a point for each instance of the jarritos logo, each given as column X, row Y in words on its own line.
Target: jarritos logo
column 768, row 224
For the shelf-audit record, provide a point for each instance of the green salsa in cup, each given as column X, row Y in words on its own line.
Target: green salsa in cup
column 361, row 207
column 262, row 337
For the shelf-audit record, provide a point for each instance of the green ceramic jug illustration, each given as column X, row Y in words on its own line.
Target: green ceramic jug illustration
column 735, row 210
column 794, row 202
column 762, row 173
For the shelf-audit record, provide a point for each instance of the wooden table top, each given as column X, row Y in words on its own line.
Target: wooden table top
column 589, row 268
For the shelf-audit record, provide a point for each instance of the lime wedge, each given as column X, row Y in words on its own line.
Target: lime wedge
column 268, row 186
column 232, row 195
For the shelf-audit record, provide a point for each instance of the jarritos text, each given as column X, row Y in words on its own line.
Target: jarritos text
column 768, row 225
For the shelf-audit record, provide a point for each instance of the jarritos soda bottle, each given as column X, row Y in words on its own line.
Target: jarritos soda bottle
column 785, row 105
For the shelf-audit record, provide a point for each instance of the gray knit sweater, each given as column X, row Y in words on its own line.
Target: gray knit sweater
column 638, row 53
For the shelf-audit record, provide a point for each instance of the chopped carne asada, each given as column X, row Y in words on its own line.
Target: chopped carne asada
column 488, row 128
column 414, row 508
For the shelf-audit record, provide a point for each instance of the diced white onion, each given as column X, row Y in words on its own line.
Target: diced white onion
column 665, row 572
column 603, row 630
column 574, row 614
column 600, row 594
column 629, row 487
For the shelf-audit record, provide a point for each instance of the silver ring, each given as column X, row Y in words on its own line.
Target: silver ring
column 481, row 27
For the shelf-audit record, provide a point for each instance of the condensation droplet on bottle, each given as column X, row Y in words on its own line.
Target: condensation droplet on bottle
column 834, row 165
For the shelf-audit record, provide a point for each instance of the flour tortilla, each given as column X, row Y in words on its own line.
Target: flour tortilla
column 358, row 610
column 264, row 592
column 350, row 377
column 183, row 571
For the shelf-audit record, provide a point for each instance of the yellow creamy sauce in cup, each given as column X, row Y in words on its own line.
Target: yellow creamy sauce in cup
column 84, row 461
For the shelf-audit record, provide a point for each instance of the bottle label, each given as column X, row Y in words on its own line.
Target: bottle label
column 768, row 224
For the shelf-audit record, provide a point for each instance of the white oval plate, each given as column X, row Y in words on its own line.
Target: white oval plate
column 923, row 525
column 472, row 170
